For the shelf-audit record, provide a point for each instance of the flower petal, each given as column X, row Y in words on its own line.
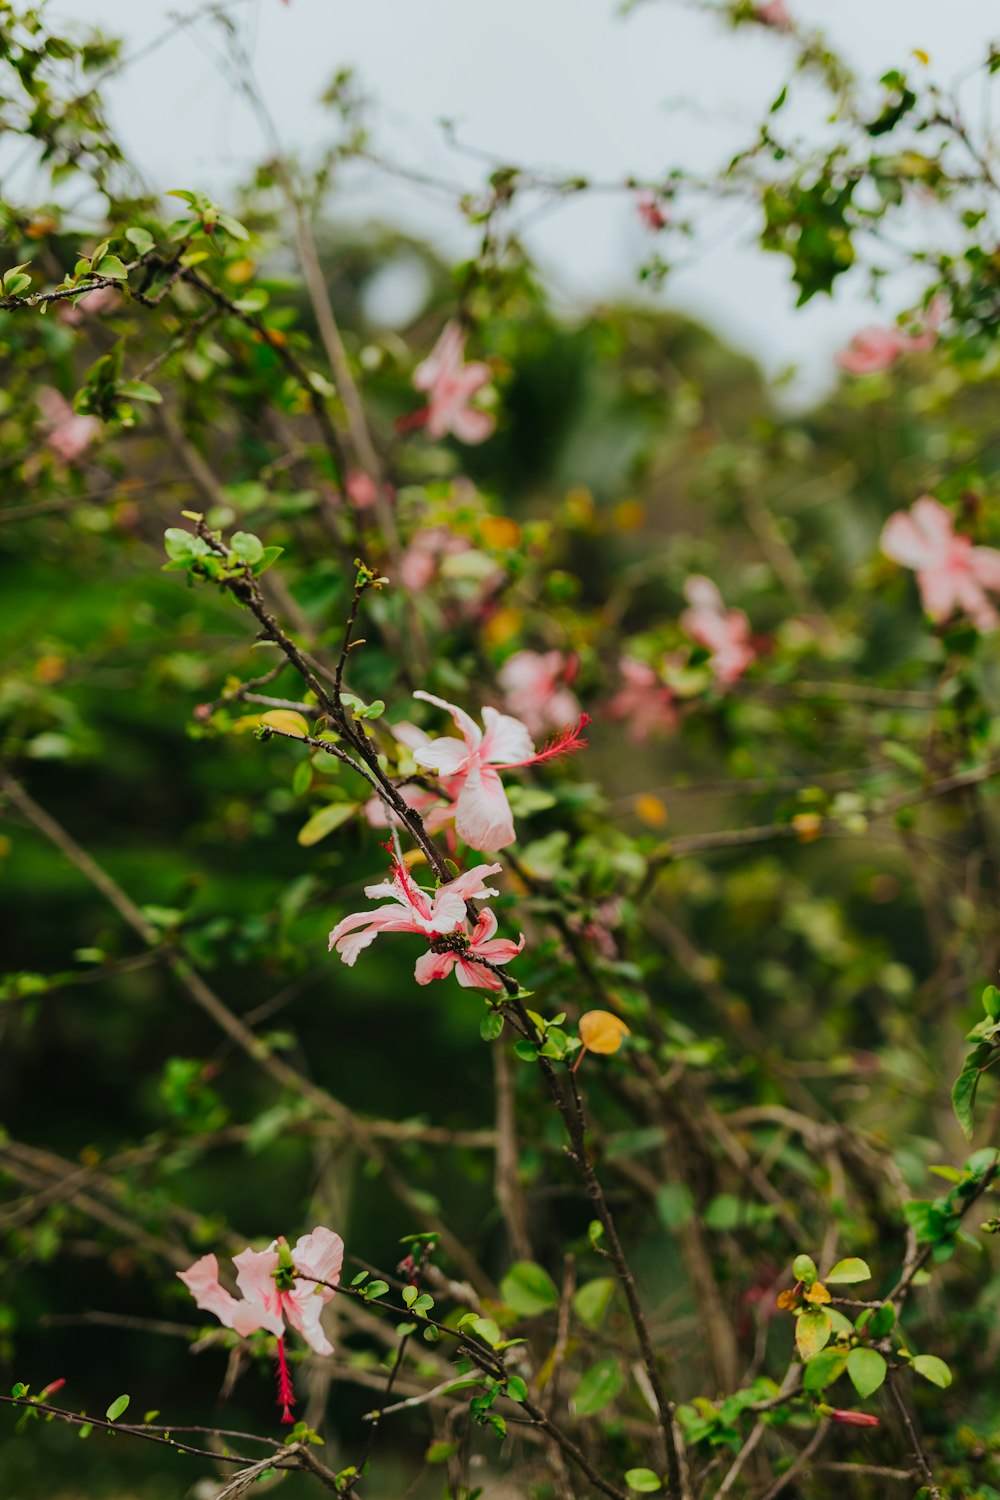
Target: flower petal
column 506, row 741
column 467, row 728
column 431, row 966
column 202, row 1281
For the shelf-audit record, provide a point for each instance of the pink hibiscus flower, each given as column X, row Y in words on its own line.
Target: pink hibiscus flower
column 482, row 944
column 68, row 434
column 434, row 811
column 643, row 700
column 273, row 1294
column 535, row 689
column 451, row 384
column 433, row 915
column 482, row 813
column 650, row 211
column 723, row 632
column 953, row 576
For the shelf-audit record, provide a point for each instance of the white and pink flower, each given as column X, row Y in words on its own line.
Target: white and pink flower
column 450, row 384
column 953, row 576
column 430, row 914
column 279, row 1288
column 482, row 813
column 535, row 689
column 725, row 633
column 480, row 944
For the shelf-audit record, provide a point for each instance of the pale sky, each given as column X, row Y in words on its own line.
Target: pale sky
column 569, row 84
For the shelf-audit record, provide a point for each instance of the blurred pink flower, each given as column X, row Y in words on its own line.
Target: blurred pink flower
column 774, row 13
column 68, row 435
column 421, row 560
column 361, row 489
column 412, row 909
column 272, row 1295
column 953, row 576
column 101, row 300
column 723, row 632
column 482, row 813
column 651, row 211
column 643, row 700
column 439, row 962
column 451, row 384
column 874, row 349
column 534, row 685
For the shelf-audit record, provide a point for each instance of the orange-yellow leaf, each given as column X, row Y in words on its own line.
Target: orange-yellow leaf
column 651, row 810
column 602, row 1032
column 817, row 1293
column 287, row 721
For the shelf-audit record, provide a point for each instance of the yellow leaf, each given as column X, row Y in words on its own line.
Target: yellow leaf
column 325, row 821
column 500, row 532
column 818, row 1293
column 287, row 721
column 786, row 1301
column 808, row 826
column 921, row 55
column 651, row 810
column 602, row 1032
column 629, row 515
column 502, row 627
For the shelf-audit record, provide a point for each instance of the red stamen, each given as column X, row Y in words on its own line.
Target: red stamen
column 412, row 420
column 566, row 742
column 286, row 1393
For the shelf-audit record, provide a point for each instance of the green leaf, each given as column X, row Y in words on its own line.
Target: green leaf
column 804, row 1270
column 487, row 1331
column 963, row 1099
column 112, row 267
column 376, row 1289
column 883, row 1321
column 991, row 1002
column 812, row 1332
column 593, row 1299
column 140, row 238
column 516, row 1389
column 491, row 1026
column 643, row 1480
column 178, row 542
column 409, row 1295
column 824, row 1368
column 270, row 555
column 866, row 1369
column 674, row 1205
column 846, row 1272
column 247, row 547
column 325, row 821
column 529, row 1289
column 597, row 1386
column 138, row 390
column 117, row 1408
column 933, row 1369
